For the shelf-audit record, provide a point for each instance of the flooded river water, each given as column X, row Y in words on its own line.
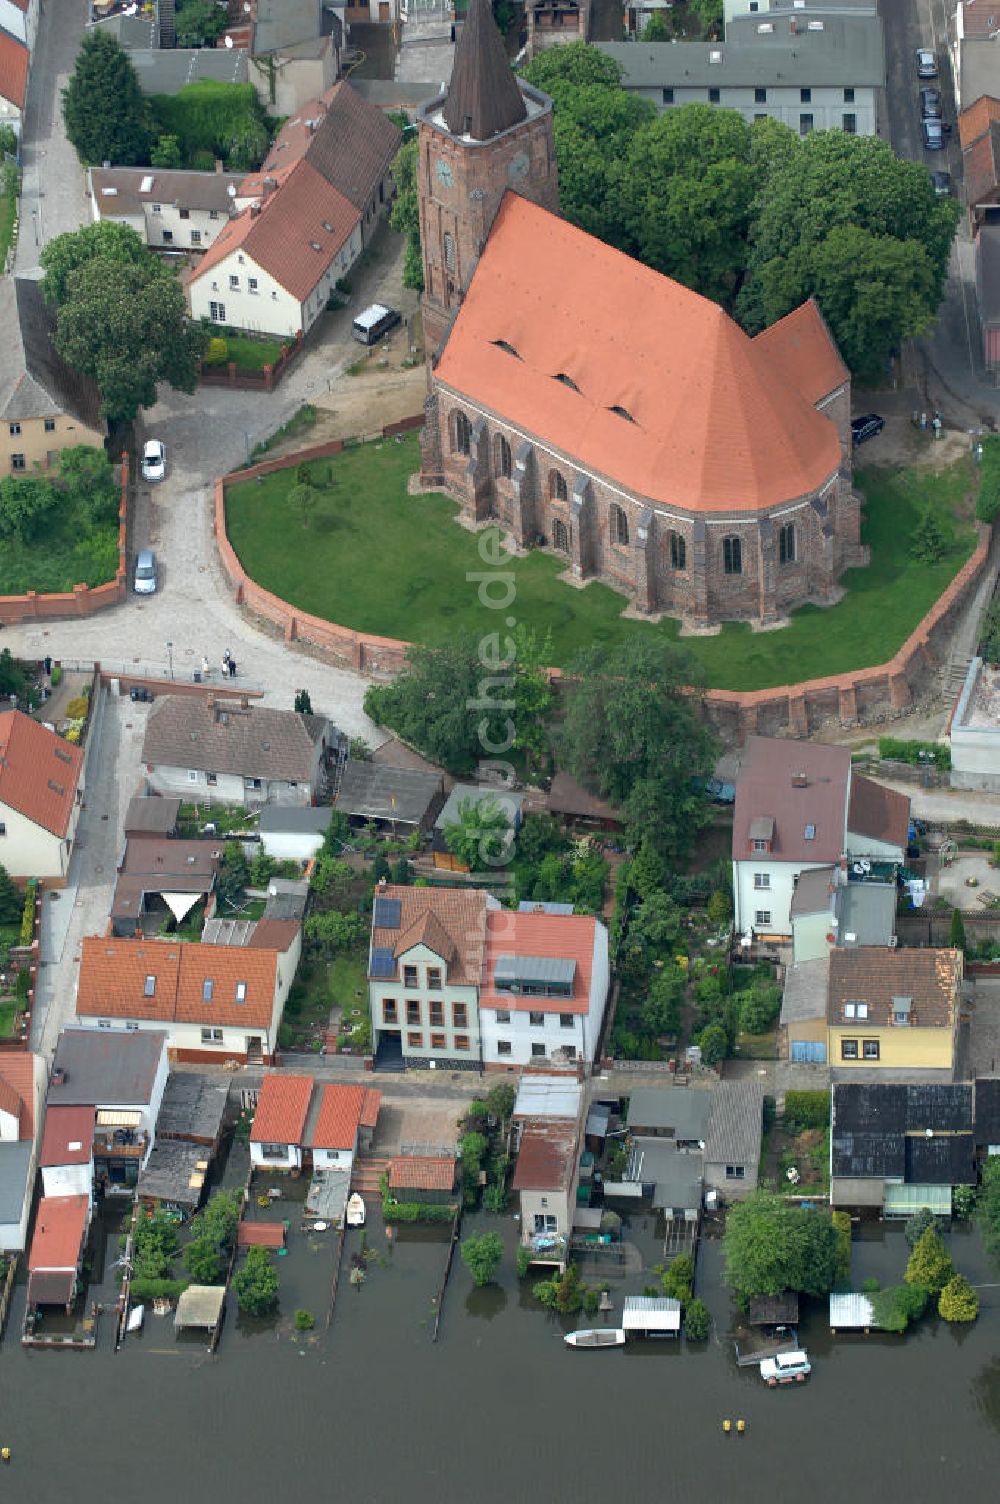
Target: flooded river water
column 498, row 1409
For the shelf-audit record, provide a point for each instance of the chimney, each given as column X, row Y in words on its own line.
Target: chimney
column 799, row 781
column 59, row 1077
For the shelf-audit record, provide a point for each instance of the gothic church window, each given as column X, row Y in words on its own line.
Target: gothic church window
column 462, row 434
column 619, row 526
column 560, row 536
column 557, row 486
column 502, row 457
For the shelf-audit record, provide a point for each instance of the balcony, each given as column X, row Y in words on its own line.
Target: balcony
column 120, row 1143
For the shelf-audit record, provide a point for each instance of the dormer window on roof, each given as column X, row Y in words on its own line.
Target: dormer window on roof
column 566, row 380
column 534, row 976
column 506, row 347
column 761, row 833
column 622, row 412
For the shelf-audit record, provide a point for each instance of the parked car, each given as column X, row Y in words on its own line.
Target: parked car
column 785, row 1368
column 942, row 183
column 926, row 63
column 154, row 460
column 930, row 104
column 144, row 582
column 933, row 132
column 865, row 428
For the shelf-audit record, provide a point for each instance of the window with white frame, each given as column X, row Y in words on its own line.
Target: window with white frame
column 211, row 1036
column 763, row 918
column 762, row 880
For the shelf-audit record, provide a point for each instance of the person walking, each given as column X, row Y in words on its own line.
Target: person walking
column 204, row 667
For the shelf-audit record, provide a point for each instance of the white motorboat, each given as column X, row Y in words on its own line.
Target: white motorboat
column 596, row 1336
column 356, row 1211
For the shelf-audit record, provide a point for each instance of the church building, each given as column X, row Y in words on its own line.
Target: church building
column 594, row 407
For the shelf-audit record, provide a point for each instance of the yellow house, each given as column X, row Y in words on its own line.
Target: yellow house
column 45, row 406
column 893, row 1008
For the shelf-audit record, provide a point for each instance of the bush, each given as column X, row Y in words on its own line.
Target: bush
column 678, row 1280
column 929, row 1264
column 416, row 1211
column 870, row 1286
column 203, row 1261
column 256, row 1283
column 156, row 1289
column 304, row 1321
column 56, row 675
column 895, row 1308
column 523, row 1261
column 958, row 1301
column 720, row 906
column 842, row 1223
column 216, row 351
column 806, row 1109
column 714, row 1042
column 213, row 120
column 697, row 1321
column 963, row 1202
column 894, row 749
column 956, row 936
column 28, row 912
column 917, row 1225
column 77, row 708
column 988, row 499
column 591, row 1302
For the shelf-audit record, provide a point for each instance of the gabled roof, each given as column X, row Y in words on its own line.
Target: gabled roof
column 39, row 772
column 980, row 18
column 60, row 1224
column 915, row 1132
column 801, row 347
column 118, row 191
column 666, row 396
column 427, row 930
column 282, row 1108
column 925, row 981
column 977, row 118
column 546, row 1158
column 14, row 57
column 564, row 937
column 734, row 1124
column 69, row 1136
column 35, row 381
column 230, row 985
column 253, row 741
column 17, row 1076
column 373, row 791
column 461, row 915
column 483, row 96
column 941, row 1159
column 351, row 146
column 151, row 816
column 768, row 786
column 981, row 165
column 880, row 813
column 339, row 1117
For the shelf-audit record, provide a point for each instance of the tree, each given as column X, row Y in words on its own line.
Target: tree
column 916, row 1225
column 958, row 1301
column 303, row 704
column 203, row 1262
column 8, row 141
column 678, row 1280
column 301, row 500
column 772, row 1246
column 661, row 1012
column 569, row 1291
column 988, row 1208
column 988, row 496
column 649, row 870
column 895, row 1308
column 166, row 153
column 483, row 835
column 714, row 1043
column 199, row 23
column 126, row 326
column 500, row 1100
column 657, row 28
column 104, row 241
column 697, row 1321
column 720, row 906
column 956, row 937
column 11, row 901
column 481, row 1256
column 428, row 703
column 929, row 1264
column 104, row 110
column 26, row 503
column 632, row 733
column 405, row 215
column 256, row 1283
column 220, row 1219
column 759, row 1007
column 928, row 542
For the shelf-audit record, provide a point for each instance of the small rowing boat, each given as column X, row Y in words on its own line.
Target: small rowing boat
column 596, row 1336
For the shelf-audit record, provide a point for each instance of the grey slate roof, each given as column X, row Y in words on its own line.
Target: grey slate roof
column 734, row 1125
column 868, row 912
column 15, row 1161
column 35, row 381
column 169, row 1171
column 988, row 258
column 192, row 1107
column 881, row 1129
column 253, row 741
column 804, row 997
column 868, row 1155
column 483, row 96
column 105, row 1067
column 184, row 190
column 674, row 1174
column 151, row 816
column 295, row 819
column 367, row 790
column 944, row 1159
column 988, row 1110
column 685, row 1109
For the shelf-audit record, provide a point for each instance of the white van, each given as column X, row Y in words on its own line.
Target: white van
column 785, row 1368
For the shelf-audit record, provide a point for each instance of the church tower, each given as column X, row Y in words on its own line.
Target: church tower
column 489, row 131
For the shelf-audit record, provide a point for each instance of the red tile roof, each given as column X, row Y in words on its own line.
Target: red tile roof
column 802, row 348
column 975, row 121
column 883, row 814
column 459, row 926
column 339, row 1117
column 765, row 790
column 412, row 1173
column 113, row 980
column 13, row 69
column 715, row 426
column 981, row 18
column 68, row 1138
column 39, row 771
column 17, row 1071
column 565, row 937
column 261, row 1235
column 60, row 1226
column 282, row 1108
column 981, row 166
column 545, row 1160
column 370, row 1107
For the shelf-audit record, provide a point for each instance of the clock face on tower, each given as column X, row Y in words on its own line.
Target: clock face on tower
column 443, row 171
column 518, row 168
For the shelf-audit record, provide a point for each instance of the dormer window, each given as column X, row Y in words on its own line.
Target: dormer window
column 506, row 347
column 902, row 1011
column 761, row 846
column 761, row 834
column 566, row 381
column 622, row 413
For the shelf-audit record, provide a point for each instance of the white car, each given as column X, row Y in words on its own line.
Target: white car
column 785, row 1368
column 154, row 460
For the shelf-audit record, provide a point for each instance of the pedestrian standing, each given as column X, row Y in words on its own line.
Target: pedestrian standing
column 225, row 665
column 232, row 668
column 204, row 667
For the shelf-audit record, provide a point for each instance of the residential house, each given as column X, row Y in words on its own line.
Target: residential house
column 305, row 218
column 977, row 119
column 398, row 799
column 897, row 1148
column 173, row 210
column 291, row 832
column 279, row 1122
column 56, row 1254
column 22, row 1085
column 45, row 406
column 970, row 745
column 161, row 879
column 121, row 1078
column 544, row 988
column 19, row 19
column 430, row 1179
column 810, row 72
column 548, row 1131
column 225, row 752
column 15, row 59
column 215, row 1003
column 296, row 50
column 41, row 791
column 298, row 1121
column 973, row 46
column 677, row 1113
column 893, row 1009
column 663, row 1174
column 471, row 795
column 67, row 1155
column 986, row 1120
column 981, row 170
column 425, row 963
column 775, row 8
column 732, row 1141
column 798, row 808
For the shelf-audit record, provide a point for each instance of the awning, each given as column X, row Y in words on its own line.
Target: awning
column 126, row 1117
column 645, row 1313
column 904, row 1200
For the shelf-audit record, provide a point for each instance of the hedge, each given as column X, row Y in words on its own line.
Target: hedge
column 842, row 1223
column 894, row 750
column 28, row 912
column 807, row 1109
column 988, row 500
column 154, row 1289
column 416, row 1211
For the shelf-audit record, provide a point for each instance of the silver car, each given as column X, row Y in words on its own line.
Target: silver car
column 144, row 582
column 926, row 63
column 154, row 460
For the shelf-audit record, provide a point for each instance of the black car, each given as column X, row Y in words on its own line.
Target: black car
column 933, row 134
column 942, row 183
column 863, row 429
column 930, row 104
column 926, row 63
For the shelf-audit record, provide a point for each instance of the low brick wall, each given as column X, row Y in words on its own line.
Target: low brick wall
column 877, row 694
column 264, row 380
column 82, row 600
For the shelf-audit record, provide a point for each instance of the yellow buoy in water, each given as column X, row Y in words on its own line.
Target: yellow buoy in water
column 727, row 1426
column 741, row 1426
column 5, row 1454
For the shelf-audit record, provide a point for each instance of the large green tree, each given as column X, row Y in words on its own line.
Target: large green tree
column 104, row 110
column 633, row 733
column 103, row 241
column 256, row 1283
column 428, row 703
column 772, row 1246
column 483, row 834
column 405, row 216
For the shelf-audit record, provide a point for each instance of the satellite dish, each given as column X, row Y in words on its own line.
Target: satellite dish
column 229, row 41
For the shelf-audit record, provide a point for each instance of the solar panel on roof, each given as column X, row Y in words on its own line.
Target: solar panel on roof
column 387, row 913
column 383, row 963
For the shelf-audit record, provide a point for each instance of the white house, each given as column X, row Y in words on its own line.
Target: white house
column 67, row 1154
column 214, row 1003
column 290, row 832
column 120, row 1077
column 22, row 1085
column 41, row 790
column 171, row 209
column 279, row 1122
column 305, row 218
column 297, row 1120
column 235, row 752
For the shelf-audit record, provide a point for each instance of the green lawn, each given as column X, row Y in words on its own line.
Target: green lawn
column 250, row 354
column 371, row 557
column 321, row 984
column 8, row 211
column 9, row 1011
column 73, row 550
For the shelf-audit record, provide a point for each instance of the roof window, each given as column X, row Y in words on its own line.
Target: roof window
column 566, row 380
column 622, row 412
column 241, row 992
column 207, row 988
column 810, row 832
column 149, row 988
column 506, row 346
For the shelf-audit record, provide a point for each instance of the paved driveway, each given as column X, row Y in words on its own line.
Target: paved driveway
column 53, row 189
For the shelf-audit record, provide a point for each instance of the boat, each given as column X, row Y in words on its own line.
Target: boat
column 135, row 1316
column 786, row 1368
column 596, row 1336
column 356, row 1211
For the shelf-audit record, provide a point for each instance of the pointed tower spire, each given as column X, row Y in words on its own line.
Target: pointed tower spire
column 483, row 97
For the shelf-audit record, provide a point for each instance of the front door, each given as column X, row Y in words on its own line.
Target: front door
column 383, row 12
column 255, row 1051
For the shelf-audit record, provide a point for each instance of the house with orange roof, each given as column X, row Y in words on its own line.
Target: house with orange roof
column 22, row 1089
column 305, row 218
column 56, row 1253
column 41, row 791
column 214, row 1002
column 587, row 404
column 299, row 1121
